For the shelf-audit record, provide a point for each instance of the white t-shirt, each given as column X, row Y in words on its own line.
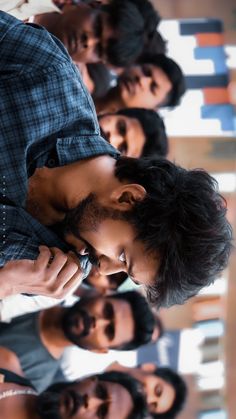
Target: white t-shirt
column 77, row 363
column 23, row 10
column 17, row 305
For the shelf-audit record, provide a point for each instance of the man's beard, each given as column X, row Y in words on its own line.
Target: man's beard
column 48, row 403
column 87, row 216
column 69, row 319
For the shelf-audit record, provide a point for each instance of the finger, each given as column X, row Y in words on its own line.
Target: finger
column 74, row 257
column 55, row 251
column 74, row 282
column 69, row 270
column 59, row 261
column 67, row 284
column 43, row 258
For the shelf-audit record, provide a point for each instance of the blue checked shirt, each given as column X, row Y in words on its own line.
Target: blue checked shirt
column 47, row 118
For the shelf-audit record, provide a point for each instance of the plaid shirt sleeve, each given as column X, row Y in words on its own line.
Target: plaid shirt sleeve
column 21, row 235
column 41, row 96
column 42, row 100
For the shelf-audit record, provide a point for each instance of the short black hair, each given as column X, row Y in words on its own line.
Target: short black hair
column 156, row 143
column 151, row 16
column 131, row 25
column 143, row 319
column 174, row 74
column 152, row 19
column 134, row 388
column 156, row 44
column 180, row 388
column 181, row 220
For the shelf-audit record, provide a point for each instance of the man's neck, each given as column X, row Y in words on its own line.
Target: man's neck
column 52, row 192
column 51, row 333
column 42, row 196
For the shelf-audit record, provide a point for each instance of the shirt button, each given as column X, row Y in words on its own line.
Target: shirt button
column 51, row 163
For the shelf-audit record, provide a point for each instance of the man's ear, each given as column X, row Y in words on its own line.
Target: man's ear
column 148, row 367
column 100, row 351
column 125, row 196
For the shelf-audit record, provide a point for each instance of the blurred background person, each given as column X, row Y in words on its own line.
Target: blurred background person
column 112, row 395
column 156, row 81
column 77, row 362
column 165, row 389
column 115, row 33
column 135, row 132
column 121, row 321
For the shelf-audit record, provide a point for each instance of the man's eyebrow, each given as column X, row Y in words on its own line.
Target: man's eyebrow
column 101, row 391
column 130, row 271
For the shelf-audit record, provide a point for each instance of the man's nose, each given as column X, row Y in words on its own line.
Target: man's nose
column 95, row 402
column 144, row 82
column 108, row 266
column 100, row 322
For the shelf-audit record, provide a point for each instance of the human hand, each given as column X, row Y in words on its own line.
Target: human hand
column 52, row 274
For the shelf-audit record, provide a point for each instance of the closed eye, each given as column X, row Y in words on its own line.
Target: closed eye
column 136, row 282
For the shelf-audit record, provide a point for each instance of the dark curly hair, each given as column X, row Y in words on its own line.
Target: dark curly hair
column 182, row 220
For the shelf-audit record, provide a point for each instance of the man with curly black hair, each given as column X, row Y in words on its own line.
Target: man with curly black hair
column 64, row 186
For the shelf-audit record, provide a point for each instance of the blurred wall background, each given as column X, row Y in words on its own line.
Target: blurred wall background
column 209, row 144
